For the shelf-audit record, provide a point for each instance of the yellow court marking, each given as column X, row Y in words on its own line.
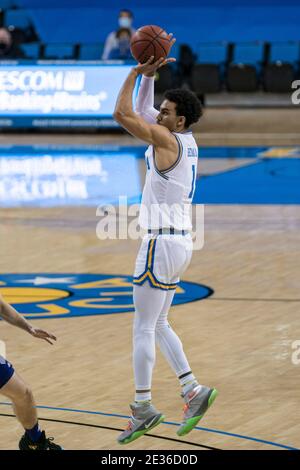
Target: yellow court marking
column 281, row 152
column 30, row 295
column 53, row 309
column 104, row 283
column 114, row 294
column 50, row 309
column 179, row 290
column 98, row 303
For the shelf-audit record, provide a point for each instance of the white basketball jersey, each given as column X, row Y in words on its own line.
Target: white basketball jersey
column 168, row 194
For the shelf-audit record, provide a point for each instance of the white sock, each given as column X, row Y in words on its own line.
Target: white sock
column 142, row 397
column 188, row 382
column 191, row 386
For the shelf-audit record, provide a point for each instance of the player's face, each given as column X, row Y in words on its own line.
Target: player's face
column 167, row 116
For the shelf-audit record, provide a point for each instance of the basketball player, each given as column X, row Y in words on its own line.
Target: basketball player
column 13, row 387
column 166, row 250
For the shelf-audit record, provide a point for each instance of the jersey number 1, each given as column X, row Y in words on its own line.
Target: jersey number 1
column 191, row 195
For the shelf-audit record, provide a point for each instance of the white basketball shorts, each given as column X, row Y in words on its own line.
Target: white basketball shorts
column 162, row 259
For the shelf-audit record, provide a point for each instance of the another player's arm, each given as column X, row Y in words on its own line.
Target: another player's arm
column 11, row 316
column 131, row 121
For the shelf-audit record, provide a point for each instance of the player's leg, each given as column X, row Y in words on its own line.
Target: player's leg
column 148, row 303
column 171, row 346
column 198, row 398
column 177, row 258
column 22, row 399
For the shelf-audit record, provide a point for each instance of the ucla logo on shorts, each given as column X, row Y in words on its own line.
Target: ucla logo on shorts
column 76, row 295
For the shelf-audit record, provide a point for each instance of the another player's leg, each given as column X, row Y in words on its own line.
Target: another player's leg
column 148, row 304
column 198, row 398
column 24, row 406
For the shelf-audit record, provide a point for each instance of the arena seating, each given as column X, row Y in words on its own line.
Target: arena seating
column 282, row 66
column 250, row 47
column 243, row 72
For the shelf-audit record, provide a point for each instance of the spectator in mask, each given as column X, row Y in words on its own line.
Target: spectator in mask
column 8, row 49
column 112, row 41
column 122, row 50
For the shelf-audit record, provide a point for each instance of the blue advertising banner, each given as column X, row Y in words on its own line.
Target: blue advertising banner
column 67, row 176
column 59, row 95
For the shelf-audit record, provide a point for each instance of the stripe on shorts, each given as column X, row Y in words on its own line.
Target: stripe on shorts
column 149, row 274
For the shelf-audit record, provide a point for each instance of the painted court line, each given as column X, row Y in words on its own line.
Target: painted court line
column 170, row 423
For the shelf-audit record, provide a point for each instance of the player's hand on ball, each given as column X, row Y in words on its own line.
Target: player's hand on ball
column 149, row 68
column 42, row 334
column 171, row 39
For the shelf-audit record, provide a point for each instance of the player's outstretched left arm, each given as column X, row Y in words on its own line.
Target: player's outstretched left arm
column 131, row 121
column 9, row 314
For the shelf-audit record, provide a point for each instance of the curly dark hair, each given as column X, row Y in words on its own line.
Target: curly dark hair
column 187, row 105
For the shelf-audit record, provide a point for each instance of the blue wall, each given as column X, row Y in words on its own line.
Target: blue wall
column 133, row 4
column 229, row 20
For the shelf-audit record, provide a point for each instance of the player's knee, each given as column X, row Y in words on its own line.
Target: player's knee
column 27, row 394
column 20, row 393
column 142, row 325
column 144, row 343
column 143, row 332
column 161, row 324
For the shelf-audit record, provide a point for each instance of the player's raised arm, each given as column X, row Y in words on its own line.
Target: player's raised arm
column 144, row 105
column 130, row 120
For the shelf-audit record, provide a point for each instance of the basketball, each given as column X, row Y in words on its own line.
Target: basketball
column 150, row 41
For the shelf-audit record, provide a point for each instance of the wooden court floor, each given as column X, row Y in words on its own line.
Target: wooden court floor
column 239, row 340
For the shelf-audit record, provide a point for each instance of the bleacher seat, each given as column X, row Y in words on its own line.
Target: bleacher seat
column 245, row 67
column 206, row 78
column 58, row 51
column 280, row 71
column 90, row 52
column 164, row 79
column 31, row 50
column 207, row 73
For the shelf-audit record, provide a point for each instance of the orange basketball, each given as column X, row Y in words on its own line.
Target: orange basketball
column 150, row 41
